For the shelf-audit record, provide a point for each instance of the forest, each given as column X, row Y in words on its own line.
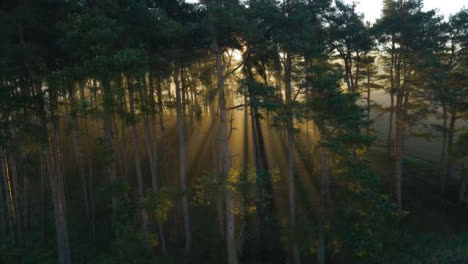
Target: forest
column 232, row 131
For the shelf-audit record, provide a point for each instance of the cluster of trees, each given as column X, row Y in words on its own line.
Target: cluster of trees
column 90, row 90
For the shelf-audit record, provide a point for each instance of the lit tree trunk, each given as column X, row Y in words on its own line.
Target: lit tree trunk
column 290, row 134
column 91, row 202
column 390, row 124
column 144, row 216
column 3, row 212
column 150, row 133
column 162, row 128
column 182, row 160
column 58, row 198
column 11, row 219
column 368, row 98
column 16, row 204
column 399, row 151
column 392, row 103
column 57, row 177
column 43, row 197
column 151, row 148
column 108, row 103
column 25, row 206
column 225, row 159
column 325, row 197
column 214, row 154
column 49, row 135
column 451, row 145
column 443, row 156
column 79, row 155
column 121, row 146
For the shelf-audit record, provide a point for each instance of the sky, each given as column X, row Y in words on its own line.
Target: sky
column 372, row 8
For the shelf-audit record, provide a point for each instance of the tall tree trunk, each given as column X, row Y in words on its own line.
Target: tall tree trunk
column 4, row 227
column 290, row 134
column 25, row 207
column 183, row 161
column 443, row 155
column 216, row 168
column 399, row 152
column 390, row 124
column 324, row 199
column 451, row 146
column 11, row 218
column 91, row 202
column 162, row 128
column 79, row 155
column 225, row 160
column 153, row 153
column 108, row 103
column 144, row 215
column 55, row 176
column 16, row 196
column 43, row 198
column 392, row 102
column 58, row 198
column 368, row 100
column 464, row 174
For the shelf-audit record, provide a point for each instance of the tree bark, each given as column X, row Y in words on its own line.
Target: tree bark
column 399, row 151
column 451, row 146
column 325, row 197
column 144, row 215
column 109, row 135
column 13, row 173
column 11, row 219
column 4, row 227
column 58, row 198
column 182, row 161
column 443, row 157
column 225, row 159
column 290, row 135
column 79, row 155
column 162, row 128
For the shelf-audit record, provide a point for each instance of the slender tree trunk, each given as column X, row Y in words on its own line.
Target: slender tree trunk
column 390, row 124
column 91, row 202
column 325, row 197
column 290, row 134
column 79, row 156
column 443, row 156
column 144, row 215
column 11, row 218
column 162, row 128
column 55, row 176
column 451, row 146
column 58, row 198
column 368, row 100
column 16, row 193
column 399, row 153
column 226, row 160
column 464, row 174
column 392, row 103
column 4, row 227
column 183, row 161
column 216, row 169
column 43, row 198
column 109, row 135
column 153, row 154
column 25, row 207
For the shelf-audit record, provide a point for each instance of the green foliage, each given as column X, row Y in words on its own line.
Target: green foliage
column 363, row 211
column 159, row 203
